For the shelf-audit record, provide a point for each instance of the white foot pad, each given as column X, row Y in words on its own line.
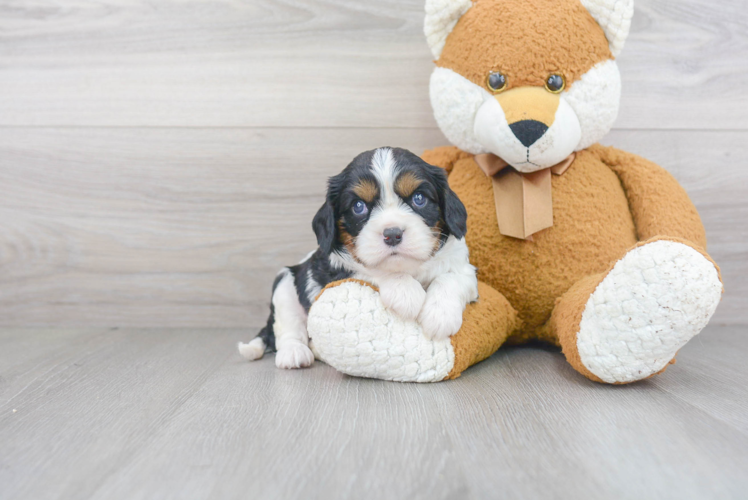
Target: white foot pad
column 653, row 301
column 354, row 333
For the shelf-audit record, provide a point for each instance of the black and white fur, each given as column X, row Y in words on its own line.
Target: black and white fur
column 389, row 219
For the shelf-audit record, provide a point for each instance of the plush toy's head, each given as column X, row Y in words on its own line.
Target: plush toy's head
column 530, row 81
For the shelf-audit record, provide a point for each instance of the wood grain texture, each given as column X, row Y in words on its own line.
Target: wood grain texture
column 313, row 63
column 135, row 379
column 162, row 414
column 187, row 227
column 647, row 441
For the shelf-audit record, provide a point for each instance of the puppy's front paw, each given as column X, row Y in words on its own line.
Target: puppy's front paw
column 440, row 318
column 294, row 355
column 403, row 295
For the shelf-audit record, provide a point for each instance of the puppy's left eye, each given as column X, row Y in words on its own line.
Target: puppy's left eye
column 360, row 208
column 419, row 200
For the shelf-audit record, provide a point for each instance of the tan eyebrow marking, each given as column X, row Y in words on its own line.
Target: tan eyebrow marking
column 366, row 190
column 406, row 184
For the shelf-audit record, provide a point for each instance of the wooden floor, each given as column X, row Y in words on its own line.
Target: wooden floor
column 128, row 414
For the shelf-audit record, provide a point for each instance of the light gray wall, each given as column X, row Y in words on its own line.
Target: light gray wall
column 160, row 160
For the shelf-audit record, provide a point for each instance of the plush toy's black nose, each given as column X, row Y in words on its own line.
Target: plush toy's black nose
column 393, row 236
column 528, row 131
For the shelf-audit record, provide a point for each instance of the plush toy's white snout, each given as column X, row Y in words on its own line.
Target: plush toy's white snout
column 528, row 128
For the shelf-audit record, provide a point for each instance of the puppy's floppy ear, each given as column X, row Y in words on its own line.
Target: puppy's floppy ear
column 323, row 224
column 453, row 211
column 324, row 227
column 455, row 215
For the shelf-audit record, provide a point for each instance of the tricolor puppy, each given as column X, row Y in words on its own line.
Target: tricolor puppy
column 389, row 219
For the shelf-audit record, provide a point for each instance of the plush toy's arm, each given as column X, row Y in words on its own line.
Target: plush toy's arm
column 353, row 332
column 444, row 157
column 659, row 205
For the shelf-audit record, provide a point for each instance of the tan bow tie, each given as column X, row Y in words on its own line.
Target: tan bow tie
column 524, row 202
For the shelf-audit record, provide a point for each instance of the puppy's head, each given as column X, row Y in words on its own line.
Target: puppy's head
column 389, row 210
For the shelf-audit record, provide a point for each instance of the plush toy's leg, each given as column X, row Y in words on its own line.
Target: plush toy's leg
column 486, row 324
column 354, row 333
column 627, row 324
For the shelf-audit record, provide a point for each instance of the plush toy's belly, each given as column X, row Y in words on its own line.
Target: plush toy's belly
column 592, row 228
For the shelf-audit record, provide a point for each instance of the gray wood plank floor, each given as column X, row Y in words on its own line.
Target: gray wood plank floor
column 170, row 413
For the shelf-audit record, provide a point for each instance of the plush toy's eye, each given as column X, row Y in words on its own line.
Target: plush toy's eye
column 360, row 208
column 419, row 200
column 555, row 84
column 496, row 82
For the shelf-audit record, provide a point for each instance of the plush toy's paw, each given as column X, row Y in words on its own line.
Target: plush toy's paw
column 294, row 355
column 441, row 316
column 354, row 333
column 653, row 301
column 403, row 295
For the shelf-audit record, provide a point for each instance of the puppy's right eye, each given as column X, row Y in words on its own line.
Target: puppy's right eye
column 419, row 200
column 360, row 208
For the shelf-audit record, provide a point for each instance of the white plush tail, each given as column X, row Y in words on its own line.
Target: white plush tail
column 252, row 350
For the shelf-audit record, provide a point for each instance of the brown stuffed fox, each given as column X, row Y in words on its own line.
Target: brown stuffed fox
column 587, row 247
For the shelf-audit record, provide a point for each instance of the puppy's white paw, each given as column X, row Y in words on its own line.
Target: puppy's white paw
column 403, row 295
column 294, row 355
column 252, row 350
column 441, row 317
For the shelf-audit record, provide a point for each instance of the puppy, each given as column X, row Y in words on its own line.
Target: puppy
column 389, row 219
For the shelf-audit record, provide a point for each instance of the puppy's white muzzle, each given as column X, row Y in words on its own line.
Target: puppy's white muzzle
column 415, row 247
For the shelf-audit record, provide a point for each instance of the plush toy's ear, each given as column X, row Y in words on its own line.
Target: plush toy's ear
column 441, row 18
column 614, row 17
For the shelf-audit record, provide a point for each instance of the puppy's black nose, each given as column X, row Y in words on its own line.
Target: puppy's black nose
column 528, row 131
column 393, row 236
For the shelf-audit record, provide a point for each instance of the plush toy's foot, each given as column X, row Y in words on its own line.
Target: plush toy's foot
column 354, row 333
column 628, row 324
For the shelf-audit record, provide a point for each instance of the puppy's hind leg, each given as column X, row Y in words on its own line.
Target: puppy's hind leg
column 256, row 348
column 291, row 338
